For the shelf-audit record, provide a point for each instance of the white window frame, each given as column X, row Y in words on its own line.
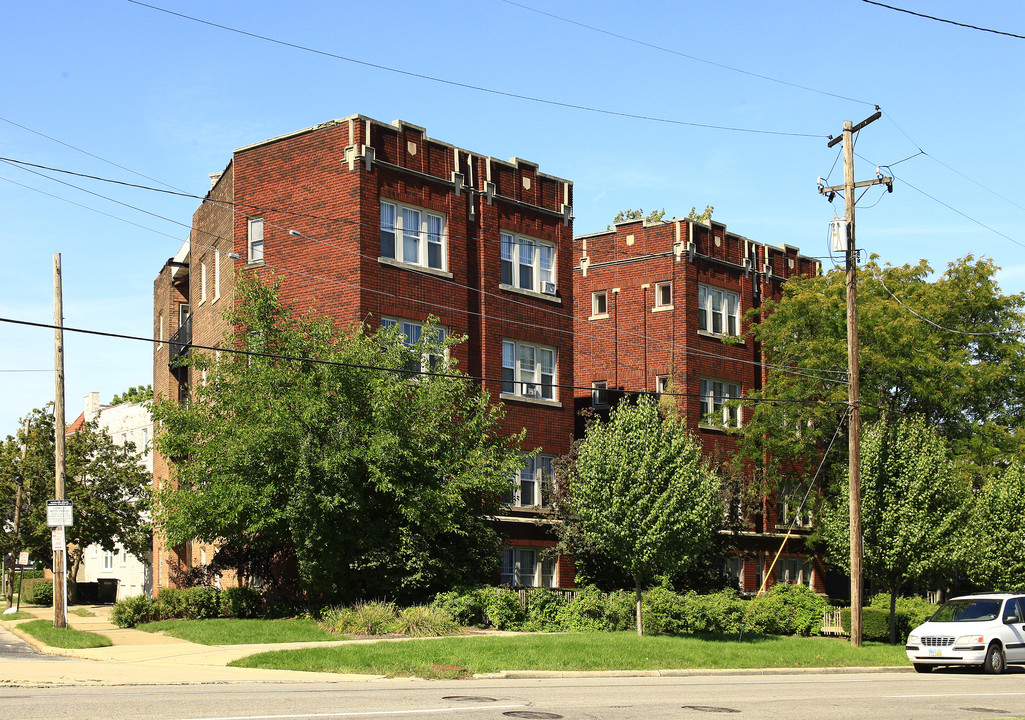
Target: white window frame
column 202, row 282
column 526, row 567
column 799, row 571
column 412, row 334
column 600, row 393
column 524, row 368
column 124, row 557
column 534, row 483
column 528, row 263
column 108, row 560
column 715, row 392
column 600, row 303
column 661, row 384
column 718, row 311
column 787, row 502
column 254, row 253
column 734, row 567
column 661, row 289
column 422, row 245
column 217, row 276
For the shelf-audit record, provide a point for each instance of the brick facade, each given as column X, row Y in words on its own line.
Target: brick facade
column 639, row 328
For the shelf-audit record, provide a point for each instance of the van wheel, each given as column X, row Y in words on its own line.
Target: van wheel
column 994, row 663
column 923, row 668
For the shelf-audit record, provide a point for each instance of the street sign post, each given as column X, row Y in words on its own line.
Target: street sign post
column 59, row 513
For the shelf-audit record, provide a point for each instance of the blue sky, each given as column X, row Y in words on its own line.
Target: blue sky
column 119, row 90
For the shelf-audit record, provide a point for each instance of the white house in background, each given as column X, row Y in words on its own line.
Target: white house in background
column 125, row 422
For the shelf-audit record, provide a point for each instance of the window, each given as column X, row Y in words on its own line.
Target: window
column 718, row 311
column 424, row 354
column 528, row 370
column 599, row 303
column 124, row 557
column 734, row 569
column 534, row 483
column 527, row 567
column 202, row 282
column 663, row 295
column 412, row 235
column 788, row 502
column 661, row 384
column 794, row 570
column 184, row 310
column 108, row 560
column 714, row 395
column 217, row 276
column 256, row 240
column 145, row 441
column 600, row 393
column 528, row 264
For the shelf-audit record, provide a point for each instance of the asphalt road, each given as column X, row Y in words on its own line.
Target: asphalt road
column 13, row 647
column 878, row 696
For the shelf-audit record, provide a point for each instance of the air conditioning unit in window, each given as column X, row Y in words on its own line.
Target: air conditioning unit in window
column 531, row 390
column 548, row 288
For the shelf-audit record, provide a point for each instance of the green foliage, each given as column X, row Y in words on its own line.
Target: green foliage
column 627, row 215
column 142, row 393
column 503, row 609
column 592, row 610
column 37, row 592
column 875, row 624
column 704, row 216
column 241, row 602
column 194, row 603
column 66, row 637
column 543, row 610
column 424, row 621
column 131, row 611
column 466, row 607
column 373, row 617
column 721, row 612
column 788, row 609
column 639, row 493
column 377, row 483
column 665, row 612
column 914, row 507
column 910, row 612
column 998, row 531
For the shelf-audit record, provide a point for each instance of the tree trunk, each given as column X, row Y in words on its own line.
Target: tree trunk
column 894, row 592
column 640, row 622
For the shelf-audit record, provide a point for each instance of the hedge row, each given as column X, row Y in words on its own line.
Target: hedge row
column 37, row 591
column 195, row 603
column 784, row 610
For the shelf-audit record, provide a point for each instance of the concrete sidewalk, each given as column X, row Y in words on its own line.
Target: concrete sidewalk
column 141, row 658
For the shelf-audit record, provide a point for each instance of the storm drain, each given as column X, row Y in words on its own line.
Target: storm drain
column 710, row 709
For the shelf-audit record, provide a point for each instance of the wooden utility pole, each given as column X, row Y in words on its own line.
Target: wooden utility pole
column 60, row 610
column 854, row 379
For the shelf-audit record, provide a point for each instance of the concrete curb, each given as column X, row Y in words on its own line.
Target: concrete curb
column 691, row 672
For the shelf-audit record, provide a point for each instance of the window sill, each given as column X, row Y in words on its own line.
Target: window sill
column 718, row 428
column 216, row 298
column 392, row 262
column 602, row 316
column 530, row 293
column 253, row 264
column 201, row 303
column 507, row 397
column 721, row 337
column 662, row 308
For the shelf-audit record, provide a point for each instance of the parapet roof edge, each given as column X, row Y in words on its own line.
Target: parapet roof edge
column 399, row 125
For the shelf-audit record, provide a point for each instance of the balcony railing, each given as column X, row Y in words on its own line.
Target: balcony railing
column 181, row 343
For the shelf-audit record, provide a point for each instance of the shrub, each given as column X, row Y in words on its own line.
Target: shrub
column 875, row 624
column 38, row 592
column 503, row 609
column 788, row 609
column 339, row 620
column 594, row 611
column 543, row 607
column 466, row 607
column 911, row 612
column 241, row 602
column 722, row 612
column 194, row 603
column 131, row 611
column 664, row 612
column 424, row 621
column 374, row 617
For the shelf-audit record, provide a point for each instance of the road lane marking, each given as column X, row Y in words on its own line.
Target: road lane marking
column 365, row 713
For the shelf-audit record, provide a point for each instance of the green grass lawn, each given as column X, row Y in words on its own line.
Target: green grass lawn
column 579, row 651
column 44, row 631
column 19, row 615
column 82, row 612
column 226, row 631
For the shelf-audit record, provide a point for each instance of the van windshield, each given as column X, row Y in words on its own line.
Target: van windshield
column 966, row 610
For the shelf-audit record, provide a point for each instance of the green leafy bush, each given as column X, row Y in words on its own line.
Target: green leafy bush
column 595, row 611
column 131, row 611
column 911, row 612
column 875, row 624
column 503, row 609
column 722, row 612
column 194, row 603
column 241, row 602
column 466, row 607
column 543, row 607
column 38, row 591
column 788, row 609
column 664, row 611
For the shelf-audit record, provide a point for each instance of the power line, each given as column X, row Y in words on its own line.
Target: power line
column 382, row 368
column 684, row 55
column 468, row 86
column 943, row 20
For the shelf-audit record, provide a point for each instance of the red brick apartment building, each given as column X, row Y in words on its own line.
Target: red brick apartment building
column 654, row 303
column 378, row 223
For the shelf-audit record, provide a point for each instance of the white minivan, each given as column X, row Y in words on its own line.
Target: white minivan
column 984, row 629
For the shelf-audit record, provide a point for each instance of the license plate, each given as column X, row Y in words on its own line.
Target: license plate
column 935, row 652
